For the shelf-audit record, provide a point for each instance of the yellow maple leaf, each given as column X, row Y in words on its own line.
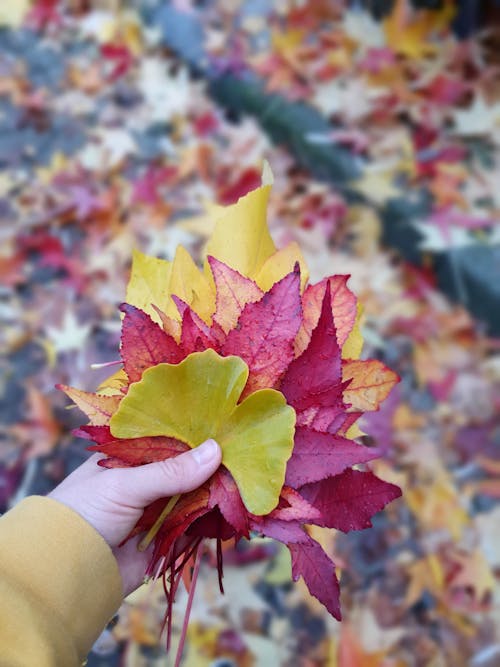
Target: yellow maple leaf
column 241, row 238
column 148, row 284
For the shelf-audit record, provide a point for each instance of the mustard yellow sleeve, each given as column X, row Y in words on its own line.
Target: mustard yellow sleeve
column 59, row 585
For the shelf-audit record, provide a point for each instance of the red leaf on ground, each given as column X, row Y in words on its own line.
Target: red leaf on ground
column 264, row 334
column 318, row 455
column 349, row 500
column 314, row 379
column 234, row 291
column 318, row 571
column 144, row 343
column 343, row 304
column 225, row 494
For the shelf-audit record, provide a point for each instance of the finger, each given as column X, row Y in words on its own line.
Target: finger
column 144, row 484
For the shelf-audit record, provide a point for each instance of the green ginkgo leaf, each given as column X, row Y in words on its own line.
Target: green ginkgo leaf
column 196, row 400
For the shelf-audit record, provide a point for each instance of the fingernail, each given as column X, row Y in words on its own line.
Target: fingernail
column 205, row 452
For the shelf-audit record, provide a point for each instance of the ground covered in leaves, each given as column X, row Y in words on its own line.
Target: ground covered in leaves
column 114, row 135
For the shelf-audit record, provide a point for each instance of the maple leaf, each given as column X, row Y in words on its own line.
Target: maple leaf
column 224, row 494
column 318, row 571
column 144, row 343
column 98, row 407
column 349, row 500
column 241, row 238
column 318, row 455
column 256, row 436
column 233, row 292
column 296, row 509
column 132, row 451
column 314, row 378
column 343, row 304
column 266, row 331
column 369, row 383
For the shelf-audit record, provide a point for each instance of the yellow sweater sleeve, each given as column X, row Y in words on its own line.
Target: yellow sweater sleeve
column 59, row 585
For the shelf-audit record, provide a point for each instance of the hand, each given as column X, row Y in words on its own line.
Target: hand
column 112, row 500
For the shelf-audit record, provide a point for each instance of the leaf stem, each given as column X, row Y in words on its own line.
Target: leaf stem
column 152, row 532
column 182, row 640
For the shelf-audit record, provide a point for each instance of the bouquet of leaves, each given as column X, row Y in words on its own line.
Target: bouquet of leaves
column 244, row 351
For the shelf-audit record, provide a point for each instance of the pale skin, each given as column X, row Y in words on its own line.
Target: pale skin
column 112, row 500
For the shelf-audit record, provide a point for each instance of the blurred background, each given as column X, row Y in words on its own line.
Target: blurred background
column 126, row 124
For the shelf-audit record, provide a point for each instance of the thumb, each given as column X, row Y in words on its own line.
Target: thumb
column 180, row 474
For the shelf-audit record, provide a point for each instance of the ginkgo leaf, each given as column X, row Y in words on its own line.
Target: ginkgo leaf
column 196, row 400
column 241, row 237
column 148, row 284
column 256, row 442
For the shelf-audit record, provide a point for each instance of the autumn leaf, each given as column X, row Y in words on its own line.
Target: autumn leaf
column 233, row 292
column 368, row 383
column 343, row 304
column 132, row 451
column 265, row 333
column 293, row 507
column 98, row 408
column 279, row 264
column 318, row 455
column 311, row 562
column 224, row 494
column 241, row 238
column 314, row 378
column 148, row 284
column 188, row 283
column 349, row 500
column 256, row 436
column 144, row 343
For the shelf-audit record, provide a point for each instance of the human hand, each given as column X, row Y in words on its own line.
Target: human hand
column 113, row 499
